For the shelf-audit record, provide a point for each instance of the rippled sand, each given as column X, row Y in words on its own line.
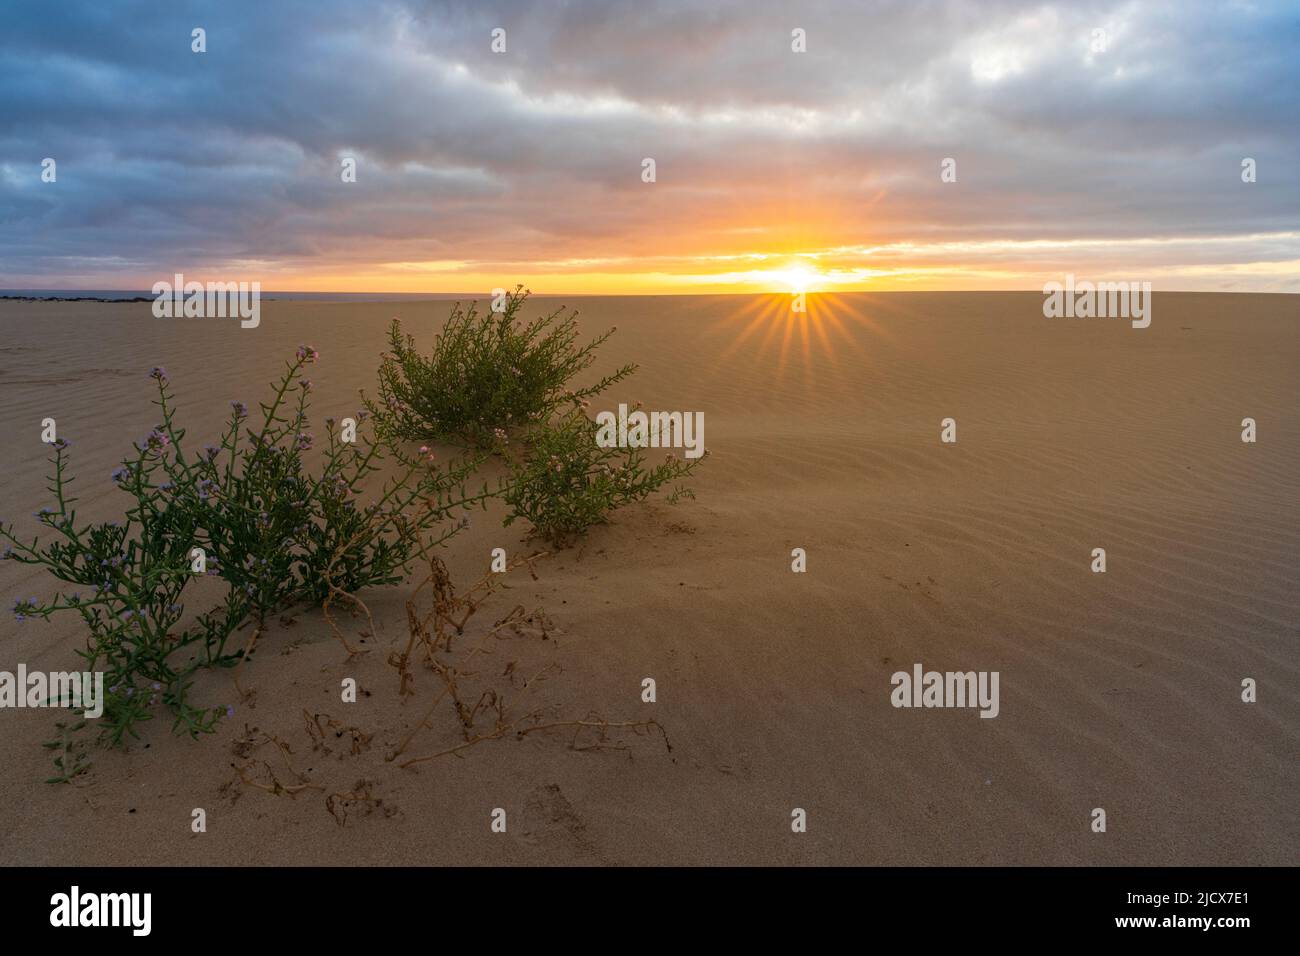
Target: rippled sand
column 1118, row 690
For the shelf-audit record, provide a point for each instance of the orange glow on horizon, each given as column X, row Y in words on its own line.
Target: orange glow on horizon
column 787, row 275
column 955, row 266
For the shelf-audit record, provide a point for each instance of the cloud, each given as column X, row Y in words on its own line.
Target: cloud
column 529, row 162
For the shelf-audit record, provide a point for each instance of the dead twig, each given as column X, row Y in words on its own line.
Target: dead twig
column 591, row 722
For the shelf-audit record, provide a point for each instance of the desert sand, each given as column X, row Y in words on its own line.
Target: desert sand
column 1118, row 690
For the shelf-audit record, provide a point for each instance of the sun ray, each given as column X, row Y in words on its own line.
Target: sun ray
column 832, row 333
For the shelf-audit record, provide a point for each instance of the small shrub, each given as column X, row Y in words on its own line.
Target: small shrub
column 133, row 573
column 274, row 531
column 566, row 482
column 487, row 373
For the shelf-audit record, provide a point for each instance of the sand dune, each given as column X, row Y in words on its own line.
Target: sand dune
column 1118, row 690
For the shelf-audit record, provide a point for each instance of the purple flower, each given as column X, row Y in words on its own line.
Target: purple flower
column 157, row 440
column 307, row 354
column 303, row 441
column 230, row 710
column 159, row 373
column 240, row 408
column 206, row 488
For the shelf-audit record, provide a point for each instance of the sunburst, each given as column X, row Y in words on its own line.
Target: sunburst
column 828, row 331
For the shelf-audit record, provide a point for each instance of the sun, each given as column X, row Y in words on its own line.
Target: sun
column 797, row 278
column 788, row 276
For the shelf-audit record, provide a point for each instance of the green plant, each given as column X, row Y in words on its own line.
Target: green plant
column 566, row 481
column 248, row 511
column 487, row 374
column 135, row 572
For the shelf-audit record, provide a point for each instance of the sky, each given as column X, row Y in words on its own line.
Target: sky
column 1101, row 139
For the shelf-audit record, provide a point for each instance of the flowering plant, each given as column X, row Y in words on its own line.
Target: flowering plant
column 250, row 512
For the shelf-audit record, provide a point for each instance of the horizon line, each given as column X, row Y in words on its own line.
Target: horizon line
column 55, row 293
